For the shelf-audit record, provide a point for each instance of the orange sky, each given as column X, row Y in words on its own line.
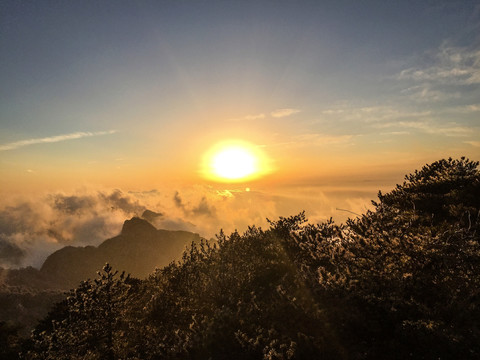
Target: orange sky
column 115, row 105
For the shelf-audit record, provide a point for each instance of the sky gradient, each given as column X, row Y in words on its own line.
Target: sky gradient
column 344, row 97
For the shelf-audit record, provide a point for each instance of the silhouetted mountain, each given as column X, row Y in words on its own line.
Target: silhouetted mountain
column 27, row 294
column 150, row 215
column 138, row 250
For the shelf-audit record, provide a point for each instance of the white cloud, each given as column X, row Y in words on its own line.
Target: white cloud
column 473, row 108
column 396, row 133
column 427, row 92
column 447, row 65
column 33, row 227
column 466, row 109
column 279, row 113
column 451, row 129
column 248, row 117
column 53, row 139
column 444, row 74
column 333, row 111
column 372, row 114
column 306, row 140
column 255, row 117
column 400, row 121
column 41, row 224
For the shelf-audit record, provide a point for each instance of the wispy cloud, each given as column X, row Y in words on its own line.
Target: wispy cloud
column 249, row 117
column 395, row 133
column 467, row 109
column 473, row 108
column 373, row 114
column 444, row 74
column 255, row 117
column 451, row 129
column 452, row 65
column 333, row 111
column 279, row 113
column 53, row 139
column 473, row 143
column 316, row 140
column 428, row 93
column 323, row 139
column 395, row 120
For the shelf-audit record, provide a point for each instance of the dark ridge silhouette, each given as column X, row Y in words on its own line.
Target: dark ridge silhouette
column 138, row 250
column 27, row 294
column 150, row 215
column 137, row 226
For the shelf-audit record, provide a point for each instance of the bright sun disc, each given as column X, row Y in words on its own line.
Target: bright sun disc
column 234, row 161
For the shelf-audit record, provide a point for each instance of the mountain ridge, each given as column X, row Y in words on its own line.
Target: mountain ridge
column 27, row 294
column 138, row 250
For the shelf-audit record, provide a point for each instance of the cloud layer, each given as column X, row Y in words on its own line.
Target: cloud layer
column 31, row 229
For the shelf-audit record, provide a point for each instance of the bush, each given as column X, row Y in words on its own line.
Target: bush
column 398, row 282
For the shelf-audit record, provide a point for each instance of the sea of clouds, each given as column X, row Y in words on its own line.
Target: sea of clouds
column 33, row 227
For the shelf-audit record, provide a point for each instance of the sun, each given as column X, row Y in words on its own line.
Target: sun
column 234, row 161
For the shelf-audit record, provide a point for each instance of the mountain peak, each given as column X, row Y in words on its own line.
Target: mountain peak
column 136, row 225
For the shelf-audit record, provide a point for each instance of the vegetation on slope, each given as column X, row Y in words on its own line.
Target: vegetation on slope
column 401, row 281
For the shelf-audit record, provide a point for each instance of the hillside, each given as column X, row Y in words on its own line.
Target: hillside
column 399, row 282
column 27, row 294
column 138, row 250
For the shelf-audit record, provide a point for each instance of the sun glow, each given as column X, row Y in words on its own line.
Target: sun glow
column 234, row 161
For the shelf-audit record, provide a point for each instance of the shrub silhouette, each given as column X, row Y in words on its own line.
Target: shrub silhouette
column 399, row 282
column 89, row 324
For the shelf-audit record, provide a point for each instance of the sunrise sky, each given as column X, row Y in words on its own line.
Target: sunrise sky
column 342, row 98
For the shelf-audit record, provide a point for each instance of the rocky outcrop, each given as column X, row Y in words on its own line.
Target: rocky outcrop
column 138, row 250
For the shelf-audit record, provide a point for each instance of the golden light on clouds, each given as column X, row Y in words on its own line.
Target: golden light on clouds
column 234, row 161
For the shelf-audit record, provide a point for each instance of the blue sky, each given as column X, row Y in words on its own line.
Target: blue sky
column 78, row 66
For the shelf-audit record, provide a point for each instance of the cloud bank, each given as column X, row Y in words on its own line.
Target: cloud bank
column 32, row 228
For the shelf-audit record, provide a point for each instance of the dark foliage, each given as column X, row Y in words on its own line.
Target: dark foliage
column 400, row 282
column 10, row 341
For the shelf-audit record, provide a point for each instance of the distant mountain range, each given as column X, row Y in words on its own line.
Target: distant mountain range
column 137, row 250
